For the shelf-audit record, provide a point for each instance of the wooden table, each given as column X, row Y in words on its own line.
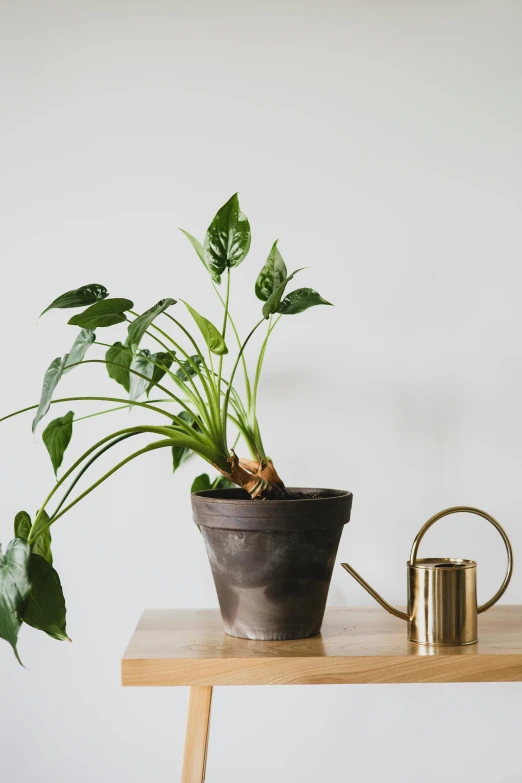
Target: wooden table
column 189, row 647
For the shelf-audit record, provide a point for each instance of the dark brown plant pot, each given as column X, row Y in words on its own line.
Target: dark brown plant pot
column 272, row 560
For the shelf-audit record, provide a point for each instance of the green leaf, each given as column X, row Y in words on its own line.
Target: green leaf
column 46, row 607
column 22, row 525
column 272, row 303
column 201, row 483
column 228, row 238
column 51, row 378
column 138, row 327
column 14, row 590
column 223, row 483
column 186, row 369
column 165, row 360
column 57, row 436
column 121, row 356
column 79, row 297
column 141, row 363
column 198, row 247
column 300, row 300
column 181, row 454
column 42, row 545
column 213, row 338
column 272, row 274
column 106, row 313
column 80, row 347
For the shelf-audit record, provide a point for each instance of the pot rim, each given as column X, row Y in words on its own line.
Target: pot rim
column 212, row 495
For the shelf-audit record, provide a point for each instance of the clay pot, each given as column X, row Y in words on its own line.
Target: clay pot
column 272, row 560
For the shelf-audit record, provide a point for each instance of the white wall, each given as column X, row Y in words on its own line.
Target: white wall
column 381, row 142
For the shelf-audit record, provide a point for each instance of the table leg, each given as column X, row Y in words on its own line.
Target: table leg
column 196, row 738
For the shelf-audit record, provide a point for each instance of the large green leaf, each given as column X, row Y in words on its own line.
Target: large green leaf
column 272, row 274
column 79, row 297
column 142, row 364
column 80, row 347
column 57, row 436
column 181, row 454
column 46, row 607
column 272, row 303
column 105, row 313
column 138, row 327
column 186, row 369
column 42, row 545
column 22, row 525
column 198, row 247
column 164, row 360
column 14, row 589
column 300, row 300
column 213, row 338
column 52, row 375
column 120, row 357
column 228, row 238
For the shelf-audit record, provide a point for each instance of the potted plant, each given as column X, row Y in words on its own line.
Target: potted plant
column 271, row 548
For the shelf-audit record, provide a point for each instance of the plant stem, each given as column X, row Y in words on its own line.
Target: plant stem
column 186, row 332
column 88, row 465
column 243, row 360
column 155, row 430
column 231, row 379
column 111, row 410
column 223, row 332
column 156, row 445
column 253, row 406
column 195, row 397
column 91, row 399
column 176, row 419
column 211, row 397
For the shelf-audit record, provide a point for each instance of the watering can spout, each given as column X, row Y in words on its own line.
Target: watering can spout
column 380, row 600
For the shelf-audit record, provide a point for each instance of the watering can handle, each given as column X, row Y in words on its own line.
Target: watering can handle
column 489, row 518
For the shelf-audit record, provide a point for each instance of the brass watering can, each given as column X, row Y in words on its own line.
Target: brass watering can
column 442, row 591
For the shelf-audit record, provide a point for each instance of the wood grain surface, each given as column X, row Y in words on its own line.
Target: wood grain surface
column 196, row 738
column 189, row 647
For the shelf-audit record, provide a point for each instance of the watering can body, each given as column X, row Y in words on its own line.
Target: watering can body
column 442, row 592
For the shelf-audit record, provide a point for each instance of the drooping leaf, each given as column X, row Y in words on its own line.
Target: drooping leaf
column 142, row 364
column 228, row 238
column 14, row 590
column 272, row 274
column 273, row 301
column 187, row 370
column 80, row 347
column 164, row 360
column 213, row 338
column 198, row 247
column 51, row 378
column 120, row 357
column 42, row 545
column 138, row 327
column 57, row 436
column 300, row 300
column 22, row 525
column 46, row 607
column 79, row 297
column 105, row 313
column 181, row 454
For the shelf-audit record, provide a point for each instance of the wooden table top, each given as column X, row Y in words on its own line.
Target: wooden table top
column 189, row 647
